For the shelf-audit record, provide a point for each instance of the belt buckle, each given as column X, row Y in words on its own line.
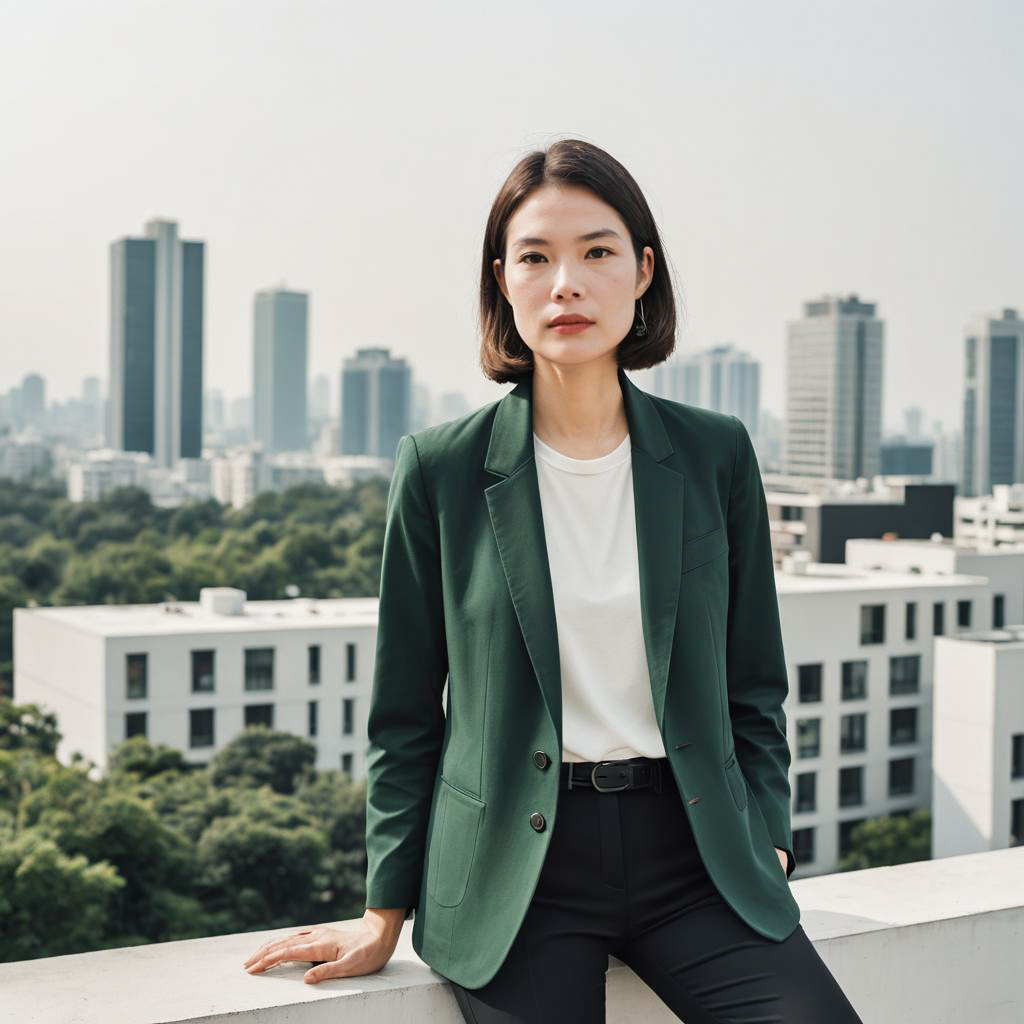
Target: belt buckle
column 611, row 789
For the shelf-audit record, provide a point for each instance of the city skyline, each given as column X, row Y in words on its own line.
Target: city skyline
column 776, row 168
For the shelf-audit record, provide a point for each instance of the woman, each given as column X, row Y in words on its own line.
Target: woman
column 588, row 567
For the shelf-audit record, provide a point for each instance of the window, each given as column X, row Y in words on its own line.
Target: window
column 809, row 683
column 853, row 731
column 1017, row 756
column 311, row 725
column 904, row 674
column 872, row 623
column 259, row 668
column 846, row 834
column 346, row 763
column 136, row 676
column 202, row 671
column 200, row 727
column 259, row 714
column 963, row 614
column 910, row 629
column 347, row 710
column 851, row 785
column 803, row 845
column 854, row 680
column 134, row 724
column 902, row 726
column 350, row 662
column 1017, row 822
column 901, row 776
column 808, row 737
column 938, row 618
column 998, row 611
column 314, row 665
column 805, row 797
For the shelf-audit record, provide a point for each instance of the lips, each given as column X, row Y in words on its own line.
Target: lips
column 569, row 318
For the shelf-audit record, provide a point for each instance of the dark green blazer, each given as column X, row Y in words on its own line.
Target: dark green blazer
column 454, row 790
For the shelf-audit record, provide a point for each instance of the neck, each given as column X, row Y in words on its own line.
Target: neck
column 579, row 410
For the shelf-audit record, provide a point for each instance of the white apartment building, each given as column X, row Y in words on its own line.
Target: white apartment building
column 978, row 742
column 859, row 649
column 996, row 518
column 192, row 675
column 24, row 456
column 102, row 470
column 1003, row 567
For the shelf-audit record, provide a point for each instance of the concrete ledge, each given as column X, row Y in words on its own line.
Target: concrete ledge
column 935, row 942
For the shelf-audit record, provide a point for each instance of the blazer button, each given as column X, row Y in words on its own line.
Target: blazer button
column 537, row 821
column 693, row 800
column 540, row 759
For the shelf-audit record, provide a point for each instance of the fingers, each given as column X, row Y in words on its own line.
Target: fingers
column 272, row 944
column 292, row 949
column 329, row 969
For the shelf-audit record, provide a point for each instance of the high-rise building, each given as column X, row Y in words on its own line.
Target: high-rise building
column 156, row 344
column 33, row 399
column 279, row 374
column 376, row 393
column 834, row 390
column 720, row 378
column 320, row 398
column 993, row 414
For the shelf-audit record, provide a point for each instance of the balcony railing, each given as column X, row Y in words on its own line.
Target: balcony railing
column 934, row 942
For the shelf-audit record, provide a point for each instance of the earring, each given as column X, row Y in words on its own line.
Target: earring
column 641, row 328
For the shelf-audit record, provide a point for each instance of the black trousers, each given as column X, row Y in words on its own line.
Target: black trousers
column 623, row 877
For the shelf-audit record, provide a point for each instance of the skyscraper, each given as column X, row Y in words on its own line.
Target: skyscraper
column 33, row 399
column 834, row 390
column 720, row 378
column 156, row 344
column 279, row 374
column 376, row 400
column 993, row 438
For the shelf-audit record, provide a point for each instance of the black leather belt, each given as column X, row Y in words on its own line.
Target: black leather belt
column 615, row 775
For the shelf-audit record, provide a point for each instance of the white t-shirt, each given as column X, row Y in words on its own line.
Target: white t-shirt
column 590, row 532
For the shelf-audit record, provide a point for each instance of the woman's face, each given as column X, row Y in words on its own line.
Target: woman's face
column 568, row 252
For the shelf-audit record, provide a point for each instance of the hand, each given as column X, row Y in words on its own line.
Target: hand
column 783, row 858
column 335, row 953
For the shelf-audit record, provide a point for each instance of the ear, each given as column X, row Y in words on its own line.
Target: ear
column 645, row 272
column 499, row 272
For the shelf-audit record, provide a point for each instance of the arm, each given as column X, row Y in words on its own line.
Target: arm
column 755, row 660
column 405, row 723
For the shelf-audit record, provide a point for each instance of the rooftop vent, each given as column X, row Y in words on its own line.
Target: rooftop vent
column 222, row 601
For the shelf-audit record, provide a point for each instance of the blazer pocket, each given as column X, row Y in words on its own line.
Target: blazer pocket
column 737, row 783
column 702, row 549
column 453, row 844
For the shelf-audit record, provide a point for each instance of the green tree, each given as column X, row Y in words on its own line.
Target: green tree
column 27, row 727
column 259, row 756
column 886, row 840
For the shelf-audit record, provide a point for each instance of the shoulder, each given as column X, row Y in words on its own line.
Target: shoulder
column 460, row 441
column 692, row 428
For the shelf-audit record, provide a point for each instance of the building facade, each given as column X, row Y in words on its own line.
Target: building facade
column 156, row 344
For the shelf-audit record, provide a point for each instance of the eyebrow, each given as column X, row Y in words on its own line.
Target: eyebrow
column 590, row 236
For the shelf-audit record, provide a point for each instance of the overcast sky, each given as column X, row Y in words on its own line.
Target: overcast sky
column 352, row 150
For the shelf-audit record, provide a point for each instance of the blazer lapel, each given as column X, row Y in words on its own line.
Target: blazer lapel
column 518, row 524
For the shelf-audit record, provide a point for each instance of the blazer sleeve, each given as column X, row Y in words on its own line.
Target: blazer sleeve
column 755, row 660
column 405, row 721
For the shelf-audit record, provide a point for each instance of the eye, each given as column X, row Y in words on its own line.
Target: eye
column 534, row 257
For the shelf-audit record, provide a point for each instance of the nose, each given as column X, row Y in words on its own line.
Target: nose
column 564, row 283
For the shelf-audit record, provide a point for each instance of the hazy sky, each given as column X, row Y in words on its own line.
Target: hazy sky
column 352, row 150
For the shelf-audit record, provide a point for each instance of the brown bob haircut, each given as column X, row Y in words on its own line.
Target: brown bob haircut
column 504, row 356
